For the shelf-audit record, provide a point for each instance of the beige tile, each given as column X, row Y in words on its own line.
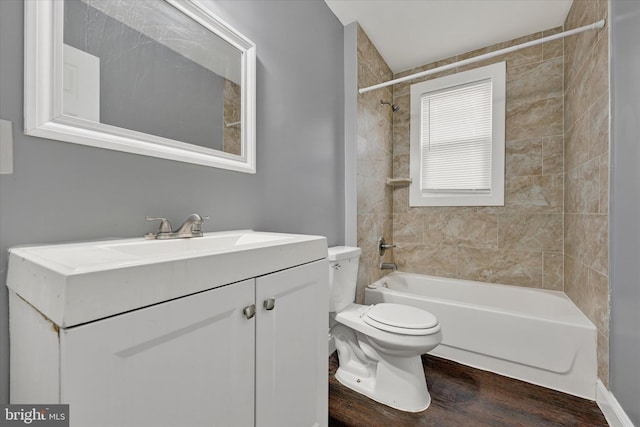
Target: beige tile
column 576, row 141
column 553, row 155
column 603, row 357
column 370, row 228
column 570, row 236
column 508, row 267
column 587, row 80
column 530, row 232
column 603, row 13
column 532, row 119
column 571, row 107
column 461, row 227
column 578, row 46
column 582, row 188
column 374, row 162
column 597, row 300
column 534, row 194
column 586, row 143
column 523, row 157
column 596, row 237
column 604, row 183
column 374, row 146
column 401, row 165
column 371, row 195
column 401, row 200
column 408, row 228
column 432, row 260
column 590, row 292
column 598, row 73
column 513, row 59
column 553, row 49
column 599, row 129
column 370, row 58
column 553, row 271
column 524, row 56
column 368, row 271
column 575, row 280
column 587, row 240
column 373, row 158
column 591, row 81
column 540, row 80
column 367, row 77
column 387, row 232
column 401, row 125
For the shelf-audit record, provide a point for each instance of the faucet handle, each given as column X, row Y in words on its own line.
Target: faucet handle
column 383, row 246
column 165, row 227
column 198, row 217
column 196, row 228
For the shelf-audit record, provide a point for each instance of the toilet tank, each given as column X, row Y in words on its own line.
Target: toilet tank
column 343, row 276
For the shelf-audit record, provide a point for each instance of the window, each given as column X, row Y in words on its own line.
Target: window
column 457, row 139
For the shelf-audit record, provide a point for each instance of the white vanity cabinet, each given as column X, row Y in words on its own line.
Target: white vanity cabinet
column 186, row 362
column 248, row 353
column 291, row 347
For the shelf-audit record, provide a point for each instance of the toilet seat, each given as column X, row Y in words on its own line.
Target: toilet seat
column 400, row 319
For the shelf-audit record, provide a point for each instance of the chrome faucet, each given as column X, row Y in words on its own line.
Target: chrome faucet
column 192, row 227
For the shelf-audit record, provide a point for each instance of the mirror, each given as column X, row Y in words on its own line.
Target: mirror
column 162, row 78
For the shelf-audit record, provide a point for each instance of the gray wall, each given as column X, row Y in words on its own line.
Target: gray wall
column 64, row 192
column 625, row 207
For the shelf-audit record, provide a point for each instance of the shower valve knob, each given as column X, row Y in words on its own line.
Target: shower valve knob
column 383, row 246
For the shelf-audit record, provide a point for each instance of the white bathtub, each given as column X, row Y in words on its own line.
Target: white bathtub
column 534, row 335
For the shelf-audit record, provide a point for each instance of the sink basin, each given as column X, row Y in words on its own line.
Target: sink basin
column 212, row 242
column 76, row 283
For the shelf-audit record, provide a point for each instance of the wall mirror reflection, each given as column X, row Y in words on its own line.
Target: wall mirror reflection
column 162, row 78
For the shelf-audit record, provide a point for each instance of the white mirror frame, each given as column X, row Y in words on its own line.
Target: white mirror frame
column 43, row 42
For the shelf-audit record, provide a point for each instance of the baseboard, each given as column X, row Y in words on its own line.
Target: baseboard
column 613, row 412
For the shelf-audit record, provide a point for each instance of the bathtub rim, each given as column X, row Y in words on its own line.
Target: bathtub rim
column 581, row 319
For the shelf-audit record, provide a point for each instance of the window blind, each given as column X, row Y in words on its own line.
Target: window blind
column 455, row 139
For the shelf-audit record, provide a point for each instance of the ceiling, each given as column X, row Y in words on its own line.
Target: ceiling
column 410, row 33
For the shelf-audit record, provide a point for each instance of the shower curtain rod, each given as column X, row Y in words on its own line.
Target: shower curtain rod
column 595, row 25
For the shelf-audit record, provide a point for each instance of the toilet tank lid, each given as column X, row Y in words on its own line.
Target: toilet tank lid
column 343, row 252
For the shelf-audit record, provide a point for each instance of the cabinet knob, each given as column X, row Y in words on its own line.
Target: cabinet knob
column 249, row 311
column 270, row 303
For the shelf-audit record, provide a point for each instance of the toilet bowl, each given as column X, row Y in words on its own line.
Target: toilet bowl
column 378, row 346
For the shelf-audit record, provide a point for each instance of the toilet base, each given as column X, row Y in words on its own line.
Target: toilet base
column 367, row 386
column 398, row 382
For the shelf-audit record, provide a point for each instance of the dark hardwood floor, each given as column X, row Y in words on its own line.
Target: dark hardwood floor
column 464, row 396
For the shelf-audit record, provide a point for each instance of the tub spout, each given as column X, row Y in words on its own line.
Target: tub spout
column 388, row 266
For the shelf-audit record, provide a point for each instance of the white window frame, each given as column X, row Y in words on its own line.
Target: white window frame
column 493, row 197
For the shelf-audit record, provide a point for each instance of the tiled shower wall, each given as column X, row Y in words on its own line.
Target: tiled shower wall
column 552, row 232
column 231, row 136
column 520, row 243
column 374, row 162
column 586, row 159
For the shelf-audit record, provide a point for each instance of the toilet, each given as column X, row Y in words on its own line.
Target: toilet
column 379, row 346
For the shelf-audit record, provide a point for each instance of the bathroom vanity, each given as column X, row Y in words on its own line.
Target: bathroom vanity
column 224, row 330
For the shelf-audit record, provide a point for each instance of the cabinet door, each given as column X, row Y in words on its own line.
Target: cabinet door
column 291, row 347
column 186, row 362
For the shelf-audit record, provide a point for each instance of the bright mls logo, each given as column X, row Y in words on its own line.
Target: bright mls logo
column 35, row 415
